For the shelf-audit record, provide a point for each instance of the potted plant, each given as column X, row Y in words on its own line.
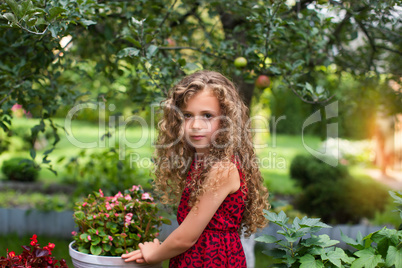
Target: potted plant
column 112, row 225
column 33, row 256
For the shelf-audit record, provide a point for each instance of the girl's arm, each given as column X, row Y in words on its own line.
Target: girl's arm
column 187, row 234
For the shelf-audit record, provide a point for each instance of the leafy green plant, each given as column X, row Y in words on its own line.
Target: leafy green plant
column 300, row 247
column 296, row 250
column 20, row 169
column 112, row 225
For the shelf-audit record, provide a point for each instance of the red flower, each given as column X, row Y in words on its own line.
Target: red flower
column 34, row 240
column 11, row 254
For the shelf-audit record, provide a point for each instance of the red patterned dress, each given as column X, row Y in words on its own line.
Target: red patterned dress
column 219, row 244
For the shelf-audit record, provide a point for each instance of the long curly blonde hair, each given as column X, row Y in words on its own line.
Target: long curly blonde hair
column 173, row 155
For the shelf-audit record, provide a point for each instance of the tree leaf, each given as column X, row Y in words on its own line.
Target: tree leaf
column 55, row 11
column 13, row 5
column 151, row 51
column 86, row 22
column 128, row 52
column 10, row 17
column 32, row 152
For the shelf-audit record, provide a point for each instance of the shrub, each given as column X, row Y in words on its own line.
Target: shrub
column 20, row 169
column 307, row 169
column 103, row 170
column 332, row 194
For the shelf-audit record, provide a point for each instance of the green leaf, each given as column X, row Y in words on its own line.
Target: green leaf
column 267, row 239
column 79, row 215
column 394, row 257
column 106, row 247
column 95, row 240
column 32, row 152
column 10, row 17
column 351, row 241
column 337, row 256
column 96, row 250
column 325, row 241
column 151, row 51
column 367, row 258
column 128, row 52
column 396, row 196
column 133, row 41
column 86, row 22
column 32, row 21
column 312, row 222
column 13, row 5
column 279, row 219
column 55, row 11
column 308, row 261
column 119, row 250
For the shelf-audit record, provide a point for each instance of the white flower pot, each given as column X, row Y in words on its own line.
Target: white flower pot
column 82, row 260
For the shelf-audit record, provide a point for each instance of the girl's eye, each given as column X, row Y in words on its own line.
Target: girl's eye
column 208, row 116
column 187, row 115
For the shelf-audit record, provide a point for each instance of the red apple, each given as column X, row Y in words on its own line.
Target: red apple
column 262, row 82
column 171, row 42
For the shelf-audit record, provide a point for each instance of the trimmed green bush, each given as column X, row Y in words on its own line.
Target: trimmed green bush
column 307, row 169
column 20, row 169
column 332, row 194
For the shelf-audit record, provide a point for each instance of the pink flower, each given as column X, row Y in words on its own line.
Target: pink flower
column 73, row 232
column 139, row 235
column 84, row 204
column 89, row 237
column 116, row 214
column 97, row 232
column 135, row 188
column 118, row 195
column 110, row 238
column 146, row 196
column 94, row 216
column 107, row 215
column 101, row 193
column 128, row 197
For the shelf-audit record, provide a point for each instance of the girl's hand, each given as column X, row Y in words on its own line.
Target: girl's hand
column 143, row 254
column 147, row 249
column 135, row 255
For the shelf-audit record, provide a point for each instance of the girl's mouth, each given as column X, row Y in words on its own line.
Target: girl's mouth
column 197, row 137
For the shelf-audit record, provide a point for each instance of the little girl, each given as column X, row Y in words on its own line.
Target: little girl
column 205, row 123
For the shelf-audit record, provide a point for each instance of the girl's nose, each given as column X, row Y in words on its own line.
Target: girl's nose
column 199, row 123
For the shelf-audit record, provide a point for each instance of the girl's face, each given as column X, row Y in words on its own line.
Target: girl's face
column 201, row 120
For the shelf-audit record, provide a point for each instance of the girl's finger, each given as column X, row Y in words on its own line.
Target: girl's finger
column 156, row 241
column 140, row 261
column 134, row 257
column 127, row 255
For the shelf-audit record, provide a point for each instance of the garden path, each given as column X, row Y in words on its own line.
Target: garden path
column 393, row 178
